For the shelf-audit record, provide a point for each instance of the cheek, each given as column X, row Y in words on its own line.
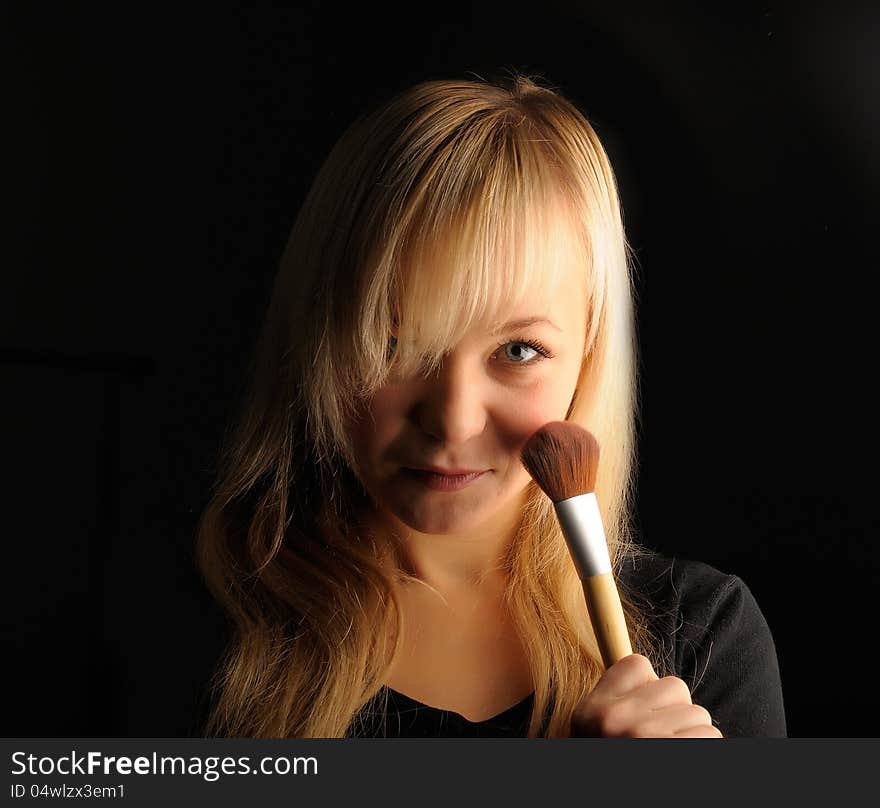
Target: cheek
column 521, row 422
column 522, row 416
column 546, row 401
column 380, row 425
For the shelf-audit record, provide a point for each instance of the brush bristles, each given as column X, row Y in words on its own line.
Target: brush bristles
column 562, row 458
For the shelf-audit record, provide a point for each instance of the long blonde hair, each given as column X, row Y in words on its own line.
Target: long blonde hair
column 312, row 596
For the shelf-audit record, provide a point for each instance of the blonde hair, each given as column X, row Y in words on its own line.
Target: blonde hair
column 311, row 594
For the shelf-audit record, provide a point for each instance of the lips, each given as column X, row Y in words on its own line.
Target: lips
column 447, row 472
column 444, row 482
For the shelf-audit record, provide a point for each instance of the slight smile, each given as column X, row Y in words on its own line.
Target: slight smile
column 444, row 482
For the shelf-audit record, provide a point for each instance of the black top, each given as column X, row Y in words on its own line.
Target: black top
column 715, row 638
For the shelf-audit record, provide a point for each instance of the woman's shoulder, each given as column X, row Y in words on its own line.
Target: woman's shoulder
column 715, row 637
column 673, row 580
column 689, row 600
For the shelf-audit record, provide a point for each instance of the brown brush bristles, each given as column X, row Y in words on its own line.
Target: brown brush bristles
column 562, row 458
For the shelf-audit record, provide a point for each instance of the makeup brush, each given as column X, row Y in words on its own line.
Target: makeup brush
column 563, row 458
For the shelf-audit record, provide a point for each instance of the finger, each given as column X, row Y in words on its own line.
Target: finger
column 606, row 710
column 669, row 721
column 700, row 731
column 666, row 692
column 624, row 676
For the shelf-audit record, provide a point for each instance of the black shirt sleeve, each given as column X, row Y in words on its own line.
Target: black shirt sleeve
column 716, row 639
column 726, row 654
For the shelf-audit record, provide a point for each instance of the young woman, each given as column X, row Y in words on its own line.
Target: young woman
column 457, row 277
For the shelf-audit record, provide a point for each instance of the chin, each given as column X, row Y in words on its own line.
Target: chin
column 442, row 527
column 441, row 518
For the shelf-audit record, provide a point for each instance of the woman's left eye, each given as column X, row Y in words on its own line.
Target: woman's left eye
column 532, row 345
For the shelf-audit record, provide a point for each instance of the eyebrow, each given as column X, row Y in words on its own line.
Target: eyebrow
column 524, row 323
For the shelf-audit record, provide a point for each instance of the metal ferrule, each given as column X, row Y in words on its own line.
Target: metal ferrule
column 581, row 523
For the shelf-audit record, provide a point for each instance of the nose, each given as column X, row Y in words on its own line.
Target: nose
column 453, row 406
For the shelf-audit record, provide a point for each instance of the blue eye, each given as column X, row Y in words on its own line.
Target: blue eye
column 533, row 345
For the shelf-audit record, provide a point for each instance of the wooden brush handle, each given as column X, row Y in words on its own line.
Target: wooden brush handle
column 606, row 613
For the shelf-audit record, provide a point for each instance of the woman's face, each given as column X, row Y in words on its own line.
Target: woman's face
column 488, row 397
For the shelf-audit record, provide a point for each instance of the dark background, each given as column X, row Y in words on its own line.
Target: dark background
column 155, row 166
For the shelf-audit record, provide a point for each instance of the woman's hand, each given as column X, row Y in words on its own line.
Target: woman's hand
column 631, row 701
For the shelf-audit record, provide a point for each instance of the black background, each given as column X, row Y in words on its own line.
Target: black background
column 155, row 164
